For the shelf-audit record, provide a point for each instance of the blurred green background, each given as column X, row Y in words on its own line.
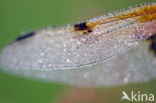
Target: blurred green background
column 17, row 16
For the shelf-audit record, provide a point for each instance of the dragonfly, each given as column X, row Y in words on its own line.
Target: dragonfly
column 115, row 49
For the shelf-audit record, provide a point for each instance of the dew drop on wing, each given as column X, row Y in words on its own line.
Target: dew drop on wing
column 57, row 54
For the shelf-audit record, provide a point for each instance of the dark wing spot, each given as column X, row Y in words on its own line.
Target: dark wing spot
column 152, row 46
column 89, row 31
column 81, row 26
column 25, row 36
column 153, row 37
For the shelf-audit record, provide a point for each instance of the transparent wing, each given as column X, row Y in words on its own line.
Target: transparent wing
column 111, row 53
column 60, row 48
column 135, row 65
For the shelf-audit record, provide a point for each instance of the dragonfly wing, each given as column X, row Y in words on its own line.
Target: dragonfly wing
column 135, row 65
column 101, row 51
column 59, row 48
